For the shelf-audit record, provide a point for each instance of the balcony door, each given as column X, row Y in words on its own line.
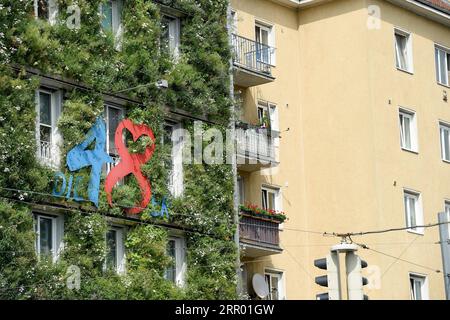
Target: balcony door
column 262, row 38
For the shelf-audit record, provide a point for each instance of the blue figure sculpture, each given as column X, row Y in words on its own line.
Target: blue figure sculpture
column 79, row 157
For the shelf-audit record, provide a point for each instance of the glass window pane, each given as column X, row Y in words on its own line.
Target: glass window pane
column 269, row 286
column 442, row 67
column 437, row 59
column 272, row 201
column 407, row 132
column 411, row 284
column 168, row 34
column 412, row 211
column 45, row 107
column 446, row 144
column 418, row 289
column 264, row 199
column 111, row 245
column 170, row 273
column 265, row 37
column 107, row 12
column 258, row 34
column 42, row 9
column 45, row 134
column 114, row 118
column 447, row 76
column 400, row 47
column 45, row 236
column 443, row 133
column 275, row 288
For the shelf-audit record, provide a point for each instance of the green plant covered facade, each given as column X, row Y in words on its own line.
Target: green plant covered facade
column 90, row 69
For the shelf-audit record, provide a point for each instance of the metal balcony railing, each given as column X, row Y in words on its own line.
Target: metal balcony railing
column 252, row 55
column 47, row 153
column 255, row 143
column 258, row 231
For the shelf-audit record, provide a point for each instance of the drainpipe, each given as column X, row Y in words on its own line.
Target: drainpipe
column 232, row 157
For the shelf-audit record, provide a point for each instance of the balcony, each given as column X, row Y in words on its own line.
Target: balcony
column 252, row 62
column 255, row 147
column 258, row 236
column 48, row 153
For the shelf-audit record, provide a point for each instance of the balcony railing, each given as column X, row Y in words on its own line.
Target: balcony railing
column 260, row 236
column 254, row 57
column 255, row 145
column 47, row 153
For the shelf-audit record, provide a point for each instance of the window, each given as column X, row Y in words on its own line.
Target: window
column 447, row 213
column 271, row 199
column 445, row 141
column 173, row 138
column 113, row 116
column 233, row 22
column 46, row 10
column 49, row 235
column 176, row 270
column 418, row 287
column 408, row 130
column 170, row 35
column 274, row 281
column 48, row 108
column 442, row 57
column 403, row 51
column 413, row 211
column 115, row 255
column 263, row 116
column 112, row 19
column 268, row 115
column 264, row 37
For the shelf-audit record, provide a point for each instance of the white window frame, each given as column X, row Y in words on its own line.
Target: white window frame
column 423, row 279
column 55, row 137
column 270, row 28
column 440, row 78
column 180, row 259
column 176, row 177
column 412, row 116
column 120, row 267
column 57, row 233
column 52, row 10
column 108, row 106
column 114, row 156
column 444, row 130
column 117, row 26
column 418, row 209
column 409, row 50
column 281, row 282
column 174, row 34
column 233, row 23
column 277, row 192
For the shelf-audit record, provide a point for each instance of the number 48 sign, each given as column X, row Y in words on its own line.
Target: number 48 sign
column 81, row 157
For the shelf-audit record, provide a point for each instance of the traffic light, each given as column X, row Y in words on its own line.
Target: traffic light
column 332, row 279
column 355, row 280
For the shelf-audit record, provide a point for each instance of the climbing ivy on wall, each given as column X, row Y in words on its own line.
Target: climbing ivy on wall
column 198, row 84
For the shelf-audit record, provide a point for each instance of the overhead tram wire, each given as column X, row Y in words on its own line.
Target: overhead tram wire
column 363, row 246
column 364, row 233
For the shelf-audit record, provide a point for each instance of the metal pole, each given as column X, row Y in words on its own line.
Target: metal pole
column 232, row 129
column 445, row 250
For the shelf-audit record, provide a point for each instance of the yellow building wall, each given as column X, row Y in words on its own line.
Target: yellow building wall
column 341, row 166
